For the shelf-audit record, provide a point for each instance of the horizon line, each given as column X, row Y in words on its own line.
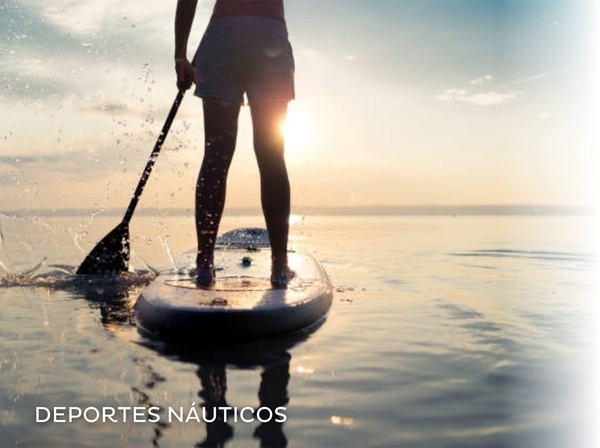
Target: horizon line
column 348, row 210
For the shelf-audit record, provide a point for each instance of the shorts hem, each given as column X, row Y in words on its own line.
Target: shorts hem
column 270, row 100
column 204, row 95
column 243, row 100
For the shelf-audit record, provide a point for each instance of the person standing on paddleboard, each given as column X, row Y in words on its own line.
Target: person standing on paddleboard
column 244, row 50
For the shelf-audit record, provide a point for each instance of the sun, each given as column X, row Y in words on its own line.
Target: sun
column 297, row 128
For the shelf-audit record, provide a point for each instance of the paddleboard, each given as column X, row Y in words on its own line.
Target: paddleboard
column 242, row 304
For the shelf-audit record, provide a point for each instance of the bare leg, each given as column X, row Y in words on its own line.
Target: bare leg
column 274, row 183
column 220, row 130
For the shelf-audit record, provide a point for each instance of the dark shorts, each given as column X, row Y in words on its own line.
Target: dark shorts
column 245, row 54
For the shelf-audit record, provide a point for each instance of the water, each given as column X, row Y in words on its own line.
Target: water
column 444, row 332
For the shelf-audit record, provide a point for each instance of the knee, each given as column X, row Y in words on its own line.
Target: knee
column 222, row 143
column 269, row 151
column 271, row 142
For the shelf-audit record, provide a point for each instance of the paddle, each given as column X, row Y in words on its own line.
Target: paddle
column 111, row 254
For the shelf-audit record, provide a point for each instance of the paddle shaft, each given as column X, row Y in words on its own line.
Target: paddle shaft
column 153, row 156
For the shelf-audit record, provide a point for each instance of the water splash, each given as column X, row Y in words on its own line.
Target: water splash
column 64, row 277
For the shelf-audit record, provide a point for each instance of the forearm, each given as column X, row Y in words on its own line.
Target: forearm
column 184, row 17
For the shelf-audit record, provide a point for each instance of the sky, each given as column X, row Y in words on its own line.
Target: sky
column 421, row 102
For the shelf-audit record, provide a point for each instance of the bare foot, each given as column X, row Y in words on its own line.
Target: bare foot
column 281, row 277
column 205, row 276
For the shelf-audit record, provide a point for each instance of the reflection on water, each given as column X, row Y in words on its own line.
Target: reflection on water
column 533, row 255
column 271, row 356
column 466, row 331
column 272, row 393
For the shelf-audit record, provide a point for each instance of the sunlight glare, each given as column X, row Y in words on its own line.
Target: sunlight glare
column 297, row 128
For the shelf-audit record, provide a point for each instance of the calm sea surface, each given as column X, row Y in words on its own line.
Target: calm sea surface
column 444, row 332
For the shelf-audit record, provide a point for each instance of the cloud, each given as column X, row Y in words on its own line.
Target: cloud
column 83, row 32
column 452, row 94
column 498, row 96
column 88, row 16
column 493, row 98
column 69, row 57
column 31, row 85
column 481, row 81
column 479, row 99
column 84, row 165
column 109, row 108
column 542, row 75
column 19, row 161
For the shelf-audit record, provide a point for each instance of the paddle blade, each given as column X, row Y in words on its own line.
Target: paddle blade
column 110, row 256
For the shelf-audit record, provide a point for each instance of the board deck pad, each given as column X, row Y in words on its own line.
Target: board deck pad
column 242, row 303
column 226, row 284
